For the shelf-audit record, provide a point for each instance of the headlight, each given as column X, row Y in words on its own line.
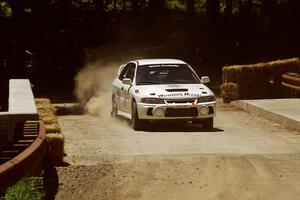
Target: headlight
column 152, row 101
column 206, row 99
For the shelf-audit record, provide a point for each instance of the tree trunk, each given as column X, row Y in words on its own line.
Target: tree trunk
column 40, row 12
column 156, row 6
column 18, row 8
column 99, row 6
column 189, row 29
column 267, row 7
column 245, row 8
column 213, row 10
column 190, row 8
column 16, row 60
column 115, row 6
column 228, row 8
column 135, row 6
column 248, row 8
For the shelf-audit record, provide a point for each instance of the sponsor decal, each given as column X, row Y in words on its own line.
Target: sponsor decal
column 165, row 65
column 185, row 94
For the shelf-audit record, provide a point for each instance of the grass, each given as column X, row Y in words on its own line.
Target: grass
column 26, row 189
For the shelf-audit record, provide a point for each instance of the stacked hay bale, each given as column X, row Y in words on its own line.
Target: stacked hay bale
column 262, row 80
column 54, row 138
column 229, row 92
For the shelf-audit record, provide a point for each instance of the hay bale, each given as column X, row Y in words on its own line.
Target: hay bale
column 46, row 108
column 55, row 140
column 50, row 120
column 42, row 101
column 52, row 128
column 254, row 79
column 69, row 109
column 229, row 92
column 46, row 116
column 55, row 152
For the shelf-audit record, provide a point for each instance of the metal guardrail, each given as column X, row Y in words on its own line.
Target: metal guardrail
column 291, row 81
column 26, row 162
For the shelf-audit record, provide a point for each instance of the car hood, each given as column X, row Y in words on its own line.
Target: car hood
column 173, row 91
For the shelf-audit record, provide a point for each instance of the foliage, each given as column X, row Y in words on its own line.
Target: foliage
column 200, row 5
column 25, row 189
column 175, row 5
column 5, row 10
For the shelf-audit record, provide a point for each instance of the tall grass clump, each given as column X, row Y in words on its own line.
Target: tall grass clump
column 26, row 189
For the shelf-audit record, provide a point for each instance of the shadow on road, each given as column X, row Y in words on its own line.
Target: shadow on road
column 178, row 127
column 51, row 182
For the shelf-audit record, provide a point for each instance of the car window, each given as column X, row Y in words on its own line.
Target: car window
column 128, row 72
column 165, row 74
column 123, row 72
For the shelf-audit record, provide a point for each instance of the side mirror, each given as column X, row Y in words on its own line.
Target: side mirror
column 127, row 81
column 205, row 79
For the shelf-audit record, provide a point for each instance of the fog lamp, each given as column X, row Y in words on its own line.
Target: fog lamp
column 158, row 111
column 204, row 110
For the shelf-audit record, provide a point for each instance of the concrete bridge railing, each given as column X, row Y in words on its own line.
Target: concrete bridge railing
column 21, row 107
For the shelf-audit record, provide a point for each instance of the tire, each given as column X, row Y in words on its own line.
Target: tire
column 208, row 123
column 114, row 108
column 136, row 123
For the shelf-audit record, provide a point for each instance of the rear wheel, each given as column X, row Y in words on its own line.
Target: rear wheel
column 136, row 123
column 208, row 123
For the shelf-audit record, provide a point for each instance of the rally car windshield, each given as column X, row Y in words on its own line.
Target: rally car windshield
column 165, row 74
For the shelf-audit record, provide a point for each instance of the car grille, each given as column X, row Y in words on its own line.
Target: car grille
column 181, row 112
column 177, row 90
column 180, row 100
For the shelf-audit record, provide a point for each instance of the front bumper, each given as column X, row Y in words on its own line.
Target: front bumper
column 186, row 111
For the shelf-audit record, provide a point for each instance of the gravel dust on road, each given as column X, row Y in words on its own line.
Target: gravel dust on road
column 244, row 157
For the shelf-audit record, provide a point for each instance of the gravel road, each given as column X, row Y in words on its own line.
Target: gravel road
column 244, row 157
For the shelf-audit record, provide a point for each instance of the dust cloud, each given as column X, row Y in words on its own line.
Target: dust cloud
column 93, row 83
column 93, row 87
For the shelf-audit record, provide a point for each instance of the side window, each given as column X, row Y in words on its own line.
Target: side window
column 123, row 72
column 128, row 71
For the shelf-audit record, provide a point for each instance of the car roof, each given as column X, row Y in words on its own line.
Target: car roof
column 159, row 61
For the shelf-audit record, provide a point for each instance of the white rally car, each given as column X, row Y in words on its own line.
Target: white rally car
column 162, row 89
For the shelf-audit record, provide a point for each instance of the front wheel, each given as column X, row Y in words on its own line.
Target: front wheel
column 208, row 123
column 136, row 123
